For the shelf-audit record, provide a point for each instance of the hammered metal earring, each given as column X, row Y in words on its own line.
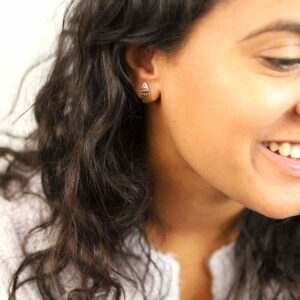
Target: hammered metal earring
column 145, row 93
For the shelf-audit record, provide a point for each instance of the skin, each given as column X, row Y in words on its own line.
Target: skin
column 211, row 108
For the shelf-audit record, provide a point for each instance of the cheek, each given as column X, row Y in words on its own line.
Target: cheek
column 207, row 111
column 209, row 122
column 216, row 121
column 213, row 128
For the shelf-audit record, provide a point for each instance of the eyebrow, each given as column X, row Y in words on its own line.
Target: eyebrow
column 278, row 25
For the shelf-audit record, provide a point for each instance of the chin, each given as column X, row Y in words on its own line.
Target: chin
column 279, row 213
column 278, row 216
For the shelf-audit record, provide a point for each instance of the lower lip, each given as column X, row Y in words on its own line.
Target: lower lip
column 289, row 165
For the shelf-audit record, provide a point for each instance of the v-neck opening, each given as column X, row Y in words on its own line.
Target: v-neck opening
column 219, row 263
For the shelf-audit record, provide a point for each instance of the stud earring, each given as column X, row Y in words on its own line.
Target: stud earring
column 145, row 93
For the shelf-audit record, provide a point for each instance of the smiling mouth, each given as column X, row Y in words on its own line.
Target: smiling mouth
column 290, row 165
column 284, row 149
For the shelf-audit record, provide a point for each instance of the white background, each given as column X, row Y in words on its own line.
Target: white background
column 28, row 33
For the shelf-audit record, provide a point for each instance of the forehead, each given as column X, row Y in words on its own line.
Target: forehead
column 255, row 11
column 234, row 19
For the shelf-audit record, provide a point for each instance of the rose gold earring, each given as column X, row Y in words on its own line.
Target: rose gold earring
column 145, row 93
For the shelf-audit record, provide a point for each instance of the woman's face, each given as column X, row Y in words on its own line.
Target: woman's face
column 220, row 100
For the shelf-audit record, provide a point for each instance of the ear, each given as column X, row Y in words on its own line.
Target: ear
column 143, row 67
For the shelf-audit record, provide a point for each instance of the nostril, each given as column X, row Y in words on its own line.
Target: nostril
column 298, row 108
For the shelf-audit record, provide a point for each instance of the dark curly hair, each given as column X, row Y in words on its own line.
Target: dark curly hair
column 89, row 149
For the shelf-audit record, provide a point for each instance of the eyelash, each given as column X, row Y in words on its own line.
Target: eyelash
column 282, row 64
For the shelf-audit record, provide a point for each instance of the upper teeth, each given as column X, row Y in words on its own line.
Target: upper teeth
column 285, row 149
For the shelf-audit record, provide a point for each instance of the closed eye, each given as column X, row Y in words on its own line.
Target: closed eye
column 282, row 64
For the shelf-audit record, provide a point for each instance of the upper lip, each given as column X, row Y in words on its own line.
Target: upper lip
column 291, row 141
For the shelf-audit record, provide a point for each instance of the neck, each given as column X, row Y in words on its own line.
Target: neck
column 186, row 209
column 195, row 218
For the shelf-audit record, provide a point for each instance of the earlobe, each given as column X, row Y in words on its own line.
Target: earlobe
column 145, row 93
column 143, row 73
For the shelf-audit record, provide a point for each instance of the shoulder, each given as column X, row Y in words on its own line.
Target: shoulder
column 17, row 218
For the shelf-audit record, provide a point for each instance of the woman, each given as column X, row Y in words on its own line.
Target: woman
column 165, row 160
